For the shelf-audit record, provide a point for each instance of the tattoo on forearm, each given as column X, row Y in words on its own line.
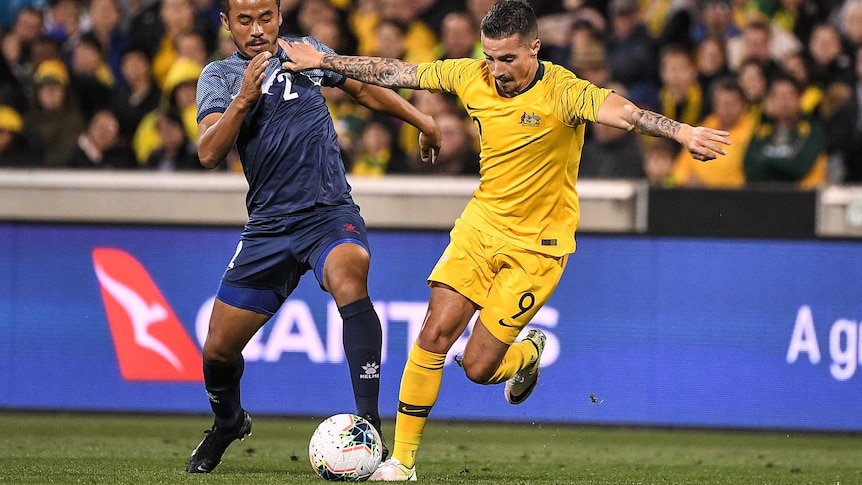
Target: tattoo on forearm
column 390, row 73
column 651, row 123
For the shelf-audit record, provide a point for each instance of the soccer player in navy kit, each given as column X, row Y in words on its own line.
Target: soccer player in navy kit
column 301, row 214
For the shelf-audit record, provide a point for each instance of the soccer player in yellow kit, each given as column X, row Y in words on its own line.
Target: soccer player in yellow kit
column 510, row 246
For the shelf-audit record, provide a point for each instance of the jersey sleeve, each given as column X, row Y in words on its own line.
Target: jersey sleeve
column 578, row 100
column 213, row 94
column 445, row 75
column 330, row 79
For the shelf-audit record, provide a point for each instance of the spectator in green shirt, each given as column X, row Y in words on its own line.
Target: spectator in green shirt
column 786, row 146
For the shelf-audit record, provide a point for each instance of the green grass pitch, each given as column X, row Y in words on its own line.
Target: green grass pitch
column 42, row 447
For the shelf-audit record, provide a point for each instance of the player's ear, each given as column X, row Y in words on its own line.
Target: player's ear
column 534, row 49
column 224, row 21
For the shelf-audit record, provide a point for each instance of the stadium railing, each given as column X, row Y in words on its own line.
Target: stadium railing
column 433, row 203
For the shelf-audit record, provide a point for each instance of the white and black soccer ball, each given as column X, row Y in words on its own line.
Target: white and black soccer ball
column 345, row 448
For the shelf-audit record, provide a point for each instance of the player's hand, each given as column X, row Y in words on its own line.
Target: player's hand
column 252, row 80
column 429, row 145
column 302, row 55
column 703, row 143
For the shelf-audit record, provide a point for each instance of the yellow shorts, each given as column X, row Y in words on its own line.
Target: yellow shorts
column 510, row 284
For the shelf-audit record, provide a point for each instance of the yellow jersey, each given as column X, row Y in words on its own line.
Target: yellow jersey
column 530, row 150
column 726, row 172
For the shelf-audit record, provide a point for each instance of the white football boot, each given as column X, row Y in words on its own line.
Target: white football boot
column 522, row 384
column 393, row 470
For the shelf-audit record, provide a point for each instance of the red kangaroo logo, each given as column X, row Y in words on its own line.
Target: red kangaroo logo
column 151, row 343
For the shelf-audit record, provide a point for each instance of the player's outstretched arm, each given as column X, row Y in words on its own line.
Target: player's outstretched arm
column 702, row 143
column 367, row 70
column 382, row 71
column 388, row 101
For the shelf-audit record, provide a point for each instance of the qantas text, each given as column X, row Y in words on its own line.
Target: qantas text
column 293, row 330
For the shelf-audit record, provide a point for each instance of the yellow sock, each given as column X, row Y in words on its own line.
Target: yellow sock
column 519, row 355
column 420, row 385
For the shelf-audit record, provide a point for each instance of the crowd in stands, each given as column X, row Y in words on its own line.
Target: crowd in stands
column 111, row 83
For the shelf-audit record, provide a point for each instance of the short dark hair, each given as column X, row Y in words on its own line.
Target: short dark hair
column 225, row 5
column 510, row 17
column 91, row 40
column 784, row 77
column 728, row 83
column 137, row 48
column 675, row 49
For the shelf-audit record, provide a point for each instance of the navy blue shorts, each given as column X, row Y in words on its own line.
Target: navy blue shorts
column 274, row 255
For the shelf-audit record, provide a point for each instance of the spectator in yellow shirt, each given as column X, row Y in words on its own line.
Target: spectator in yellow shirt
column 178, row 95
column 729, row 113
column 419, row 40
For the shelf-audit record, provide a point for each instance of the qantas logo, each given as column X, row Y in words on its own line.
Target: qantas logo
column 153, row 345
column 150, row 341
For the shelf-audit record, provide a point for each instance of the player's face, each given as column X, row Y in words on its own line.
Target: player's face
column 253, row 24
column 512, row 63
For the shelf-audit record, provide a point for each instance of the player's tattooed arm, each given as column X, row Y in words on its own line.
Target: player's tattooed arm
column 648, row 122
column 701, row 142
column 390, row 73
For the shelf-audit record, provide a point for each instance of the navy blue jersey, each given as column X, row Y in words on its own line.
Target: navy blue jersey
column 287, row 144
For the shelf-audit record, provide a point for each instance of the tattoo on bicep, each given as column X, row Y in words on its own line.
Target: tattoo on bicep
column 651, row 123
column 390, row 73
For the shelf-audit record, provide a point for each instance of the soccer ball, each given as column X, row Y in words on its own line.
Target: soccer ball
column 345, row 448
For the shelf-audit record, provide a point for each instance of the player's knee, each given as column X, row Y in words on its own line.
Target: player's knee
column 223, row 358
column 478, row 372
column 346, row 284
column 348, row 289
column 435, row 340
column 345, row 268
column 219, row 353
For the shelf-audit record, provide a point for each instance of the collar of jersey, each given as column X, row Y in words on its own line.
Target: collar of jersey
column 540, row 73
column 280, row 55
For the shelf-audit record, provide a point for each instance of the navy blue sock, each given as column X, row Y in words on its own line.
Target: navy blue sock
column 363, row 338
column 222, row 384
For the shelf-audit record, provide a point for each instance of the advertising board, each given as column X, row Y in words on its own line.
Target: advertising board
column 642, row 330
